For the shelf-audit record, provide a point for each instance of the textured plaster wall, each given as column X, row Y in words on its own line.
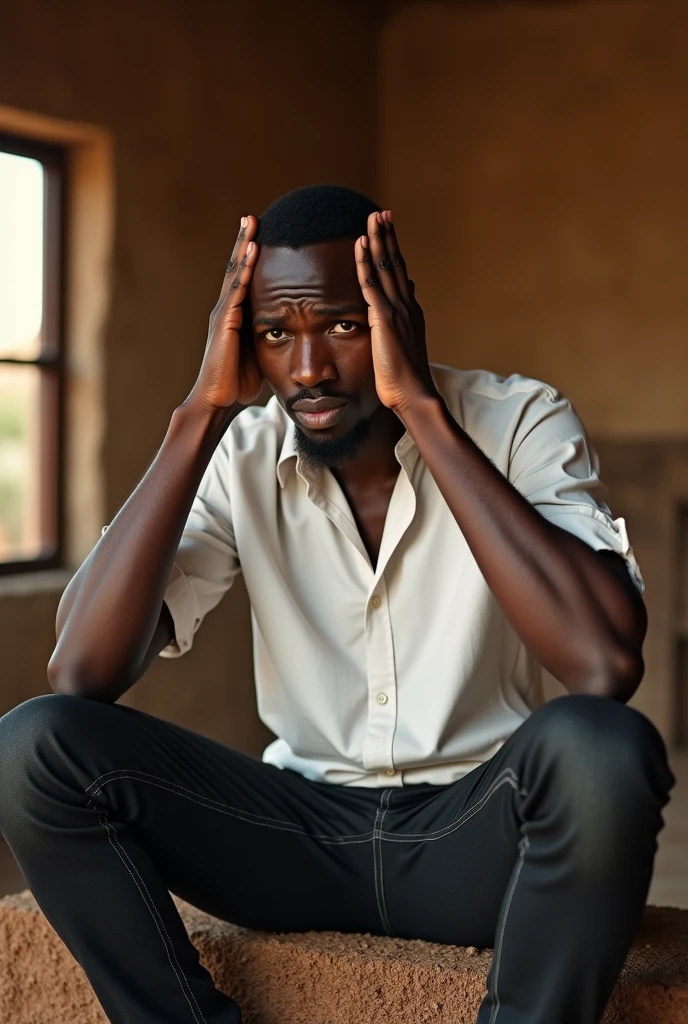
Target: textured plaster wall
column 536, row 157
column 213, row 109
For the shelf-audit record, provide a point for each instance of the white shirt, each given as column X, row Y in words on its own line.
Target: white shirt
column 408, row 672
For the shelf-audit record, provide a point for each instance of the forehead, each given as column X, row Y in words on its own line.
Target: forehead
column 324, row 271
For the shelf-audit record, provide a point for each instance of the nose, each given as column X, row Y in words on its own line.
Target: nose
column 311, row 362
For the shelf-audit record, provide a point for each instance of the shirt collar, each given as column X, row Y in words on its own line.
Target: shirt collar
column 288, row 454
column 406, row 451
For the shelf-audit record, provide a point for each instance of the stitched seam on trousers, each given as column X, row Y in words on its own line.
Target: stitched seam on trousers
column 382, row 876
column 132, row 773
column 155, row 914
column 377, row 859
column 525, row 844
column 507, row 778
column 216, row 805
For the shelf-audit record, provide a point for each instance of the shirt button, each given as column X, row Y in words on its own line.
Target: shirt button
column 197, row 622
column 376, row 602
column 390, row 771
column 382, row 698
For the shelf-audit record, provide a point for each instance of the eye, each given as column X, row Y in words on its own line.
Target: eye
column 275, row 334
column 344, row 327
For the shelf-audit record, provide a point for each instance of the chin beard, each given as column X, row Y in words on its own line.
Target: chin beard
column 331, row 451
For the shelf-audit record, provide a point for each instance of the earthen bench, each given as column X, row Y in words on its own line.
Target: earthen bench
column 327, row 978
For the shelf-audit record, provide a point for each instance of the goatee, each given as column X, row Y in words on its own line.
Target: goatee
column 331, row 451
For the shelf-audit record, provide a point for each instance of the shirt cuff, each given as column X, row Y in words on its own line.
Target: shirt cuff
column 599, row 531
column 181, row 600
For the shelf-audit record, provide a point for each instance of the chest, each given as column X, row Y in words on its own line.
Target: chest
column 369, row 510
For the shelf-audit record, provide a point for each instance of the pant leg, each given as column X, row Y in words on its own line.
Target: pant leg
column 544, row 853
column 108, row 809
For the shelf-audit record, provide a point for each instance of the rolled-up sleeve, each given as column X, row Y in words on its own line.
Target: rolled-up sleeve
column 206, row 563
column 555, row 467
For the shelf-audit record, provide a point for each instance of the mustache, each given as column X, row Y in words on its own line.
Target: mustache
column 315, row 393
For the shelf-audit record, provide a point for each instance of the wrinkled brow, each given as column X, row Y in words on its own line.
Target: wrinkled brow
column 323, row 311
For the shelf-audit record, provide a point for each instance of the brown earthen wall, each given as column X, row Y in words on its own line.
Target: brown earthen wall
column 536, row 158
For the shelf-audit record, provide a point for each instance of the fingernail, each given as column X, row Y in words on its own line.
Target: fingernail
column 379, row 218
column 249, row 248
column 364, row 241
column 389, row 216
column 244, row 222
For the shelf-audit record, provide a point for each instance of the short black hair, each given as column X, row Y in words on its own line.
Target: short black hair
column 314, row 214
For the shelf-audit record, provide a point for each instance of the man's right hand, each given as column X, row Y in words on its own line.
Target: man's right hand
column 229, row 374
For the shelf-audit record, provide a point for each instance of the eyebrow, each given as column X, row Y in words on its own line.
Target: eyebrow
column 333, row 311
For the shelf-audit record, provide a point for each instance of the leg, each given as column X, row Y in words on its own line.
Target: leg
column 107, row 810
column 545, row 852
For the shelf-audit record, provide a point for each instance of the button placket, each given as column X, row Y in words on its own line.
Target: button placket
column 382, row 710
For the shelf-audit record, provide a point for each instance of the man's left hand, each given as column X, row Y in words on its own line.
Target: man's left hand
column 397, row 325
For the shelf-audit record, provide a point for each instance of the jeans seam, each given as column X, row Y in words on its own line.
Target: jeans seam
column 155, row 914
column 525, row 845
column 507, row 778
column 222, row 808
column 377, row 860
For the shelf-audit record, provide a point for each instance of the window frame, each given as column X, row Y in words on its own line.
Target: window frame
column 51, row 358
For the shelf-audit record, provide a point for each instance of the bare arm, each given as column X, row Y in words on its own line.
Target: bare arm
column 111, row 622
column 575, row 608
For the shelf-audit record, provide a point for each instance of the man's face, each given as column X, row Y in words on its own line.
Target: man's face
column 312, row 342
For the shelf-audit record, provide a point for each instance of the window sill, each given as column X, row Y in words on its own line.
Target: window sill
column 26, row 584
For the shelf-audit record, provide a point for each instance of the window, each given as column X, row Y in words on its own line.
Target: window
column 31, row 354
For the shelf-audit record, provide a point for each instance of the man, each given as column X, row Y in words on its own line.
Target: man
column 416, row 542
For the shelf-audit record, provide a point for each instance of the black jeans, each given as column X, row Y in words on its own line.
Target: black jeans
column 544, row 852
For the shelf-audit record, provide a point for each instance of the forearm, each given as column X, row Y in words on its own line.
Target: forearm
column 560, row 597
column 109, row 612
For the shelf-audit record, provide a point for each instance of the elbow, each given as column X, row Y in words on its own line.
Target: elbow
column 64, row 681
column 75, row 681
column 615, row 674
column 56, row 675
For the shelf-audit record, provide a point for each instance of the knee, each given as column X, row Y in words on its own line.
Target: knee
column 34, row 737
column 596, row 771
column 34, row 725
column 595, row 743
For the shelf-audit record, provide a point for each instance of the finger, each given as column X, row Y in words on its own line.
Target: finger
column 396, row 259
column 233, row 304
column 380, row 256
column 367, row 275
column 247, row 232
column 242, row 277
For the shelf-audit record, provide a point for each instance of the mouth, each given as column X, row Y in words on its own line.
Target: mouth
column 320, row 414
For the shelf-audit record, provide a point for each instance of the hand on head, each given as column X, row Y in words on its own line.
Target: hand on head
column 229, row 373
column 397, row 325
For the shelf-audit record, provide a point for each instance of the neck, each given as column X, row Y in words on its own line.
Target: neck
column 375, row 464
